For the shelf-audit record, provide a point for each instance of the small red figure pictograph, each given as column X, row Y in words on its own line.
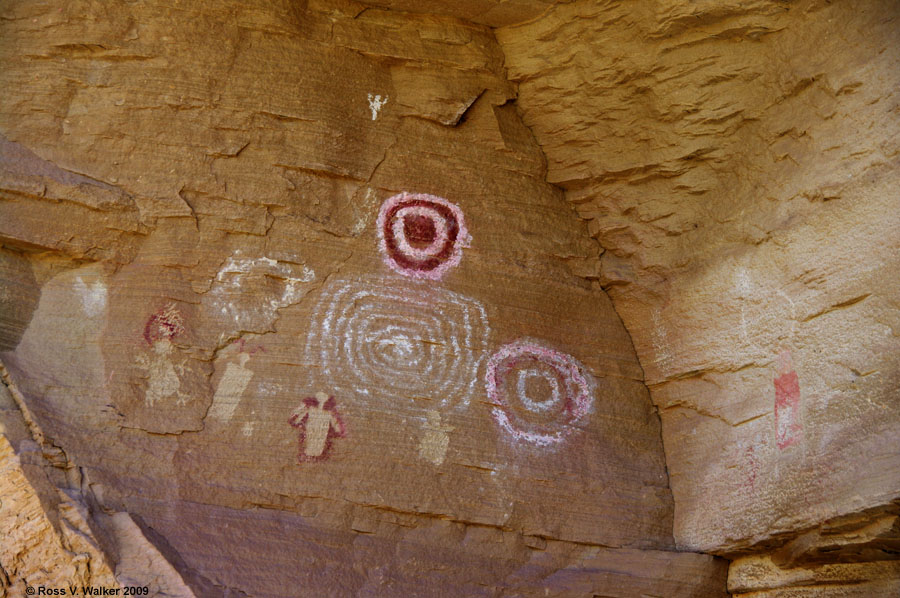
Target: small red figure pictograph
column 788, row 427
column 243, row 347
column 319, row 423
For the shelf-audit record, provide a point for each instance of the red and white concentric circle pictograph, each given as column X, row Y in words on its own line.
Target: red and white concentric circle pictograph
column 420, row 235
column 539, row 393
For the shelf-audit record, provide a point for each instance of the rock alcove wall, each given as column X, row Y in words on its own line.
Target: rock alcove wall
column 302, row 298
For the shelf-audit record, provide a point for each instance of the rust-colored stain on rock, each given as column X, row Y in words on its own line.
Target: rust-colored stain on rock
column 788, row 425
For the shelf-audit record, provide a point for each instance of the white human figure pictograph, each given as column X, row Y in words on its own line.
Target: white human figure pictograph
column 163, row 375
column 376, row 103
column 232, row 385
column 436, row 440
column 164, row 380
column 318, row 421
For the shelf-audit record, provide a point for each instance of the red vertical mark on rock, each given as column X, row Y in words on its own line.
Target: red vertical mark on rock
column 752, row 468
column 788, row 428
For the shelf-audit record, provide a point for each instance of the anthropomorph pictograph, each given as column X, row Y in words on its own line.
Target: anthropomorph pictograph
column 162, row 374
column 788, row 427
column 319, row 422
column 540, row 393
column 401, row 343
column 233, row 383
column 376, row 103
column 421, row 236
column 435, row 441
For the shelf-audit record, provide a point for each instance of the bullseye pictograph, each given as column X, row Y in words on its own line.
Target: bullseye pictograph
column 539, row 394
column 420, row 235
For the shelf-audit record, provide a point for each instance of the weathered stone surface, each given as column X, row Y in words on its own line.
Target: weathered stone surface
column 494, row 13
column 738, row 162
column 138, row 561
column 57, row 539
column 759, row 576
column 849, row 556
column 231, row 386
column 19, row 293
column 44, row 536
column 34, row 191
column 352, row 550
column 871, row 535
column 233, row 271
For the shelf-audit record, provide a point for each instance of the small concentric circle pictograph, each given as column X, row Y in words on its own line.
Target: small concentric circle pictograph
column 539, row 393
column 420, row 235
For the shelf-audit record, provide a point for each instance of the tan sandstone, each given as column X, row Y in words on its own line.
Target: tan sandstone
column 738, row 163
column 223, row 164
column 216, row 384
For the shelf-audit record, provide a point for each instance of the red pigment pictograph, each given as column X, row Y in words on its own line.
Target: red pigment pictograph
column 540, row 393
column 243, row 348
column 788, row 428
column 319, row 423
column 752, row 467
column 421, row 235
column 167, row 323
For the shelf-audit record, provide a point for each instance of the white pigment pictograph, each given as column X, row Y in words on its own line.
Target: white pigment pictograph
column 522, row 383
column 163, row 374
column 539, row 393
column 403, row 341
column 421, row 236
column 281, row 283
column 232, row 385
column 376, row 103
column 93, row 296
column 435, row 439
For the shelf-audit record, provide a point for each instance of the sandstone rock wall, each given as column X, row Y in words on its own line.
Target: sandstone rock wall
column 45, row 540
column 54, row 533
column 221, row 357
column 738, row 162
column 270, row 385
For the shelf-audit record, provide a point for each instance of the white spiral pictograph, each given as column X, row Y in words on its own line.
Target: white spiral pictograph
column 399, row 342
column 421, row 236
column 539, row 393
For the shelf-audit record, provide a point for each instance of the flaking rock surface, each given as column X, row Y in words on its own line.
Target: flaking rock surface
column 258, row 398
column 738, row 162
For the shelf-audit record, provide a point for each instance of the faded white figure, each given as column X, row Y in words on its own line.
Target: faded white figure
column 436, row 440
column 164, row 379
column 318, row 421
column 231, row 387
column 164, row 376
